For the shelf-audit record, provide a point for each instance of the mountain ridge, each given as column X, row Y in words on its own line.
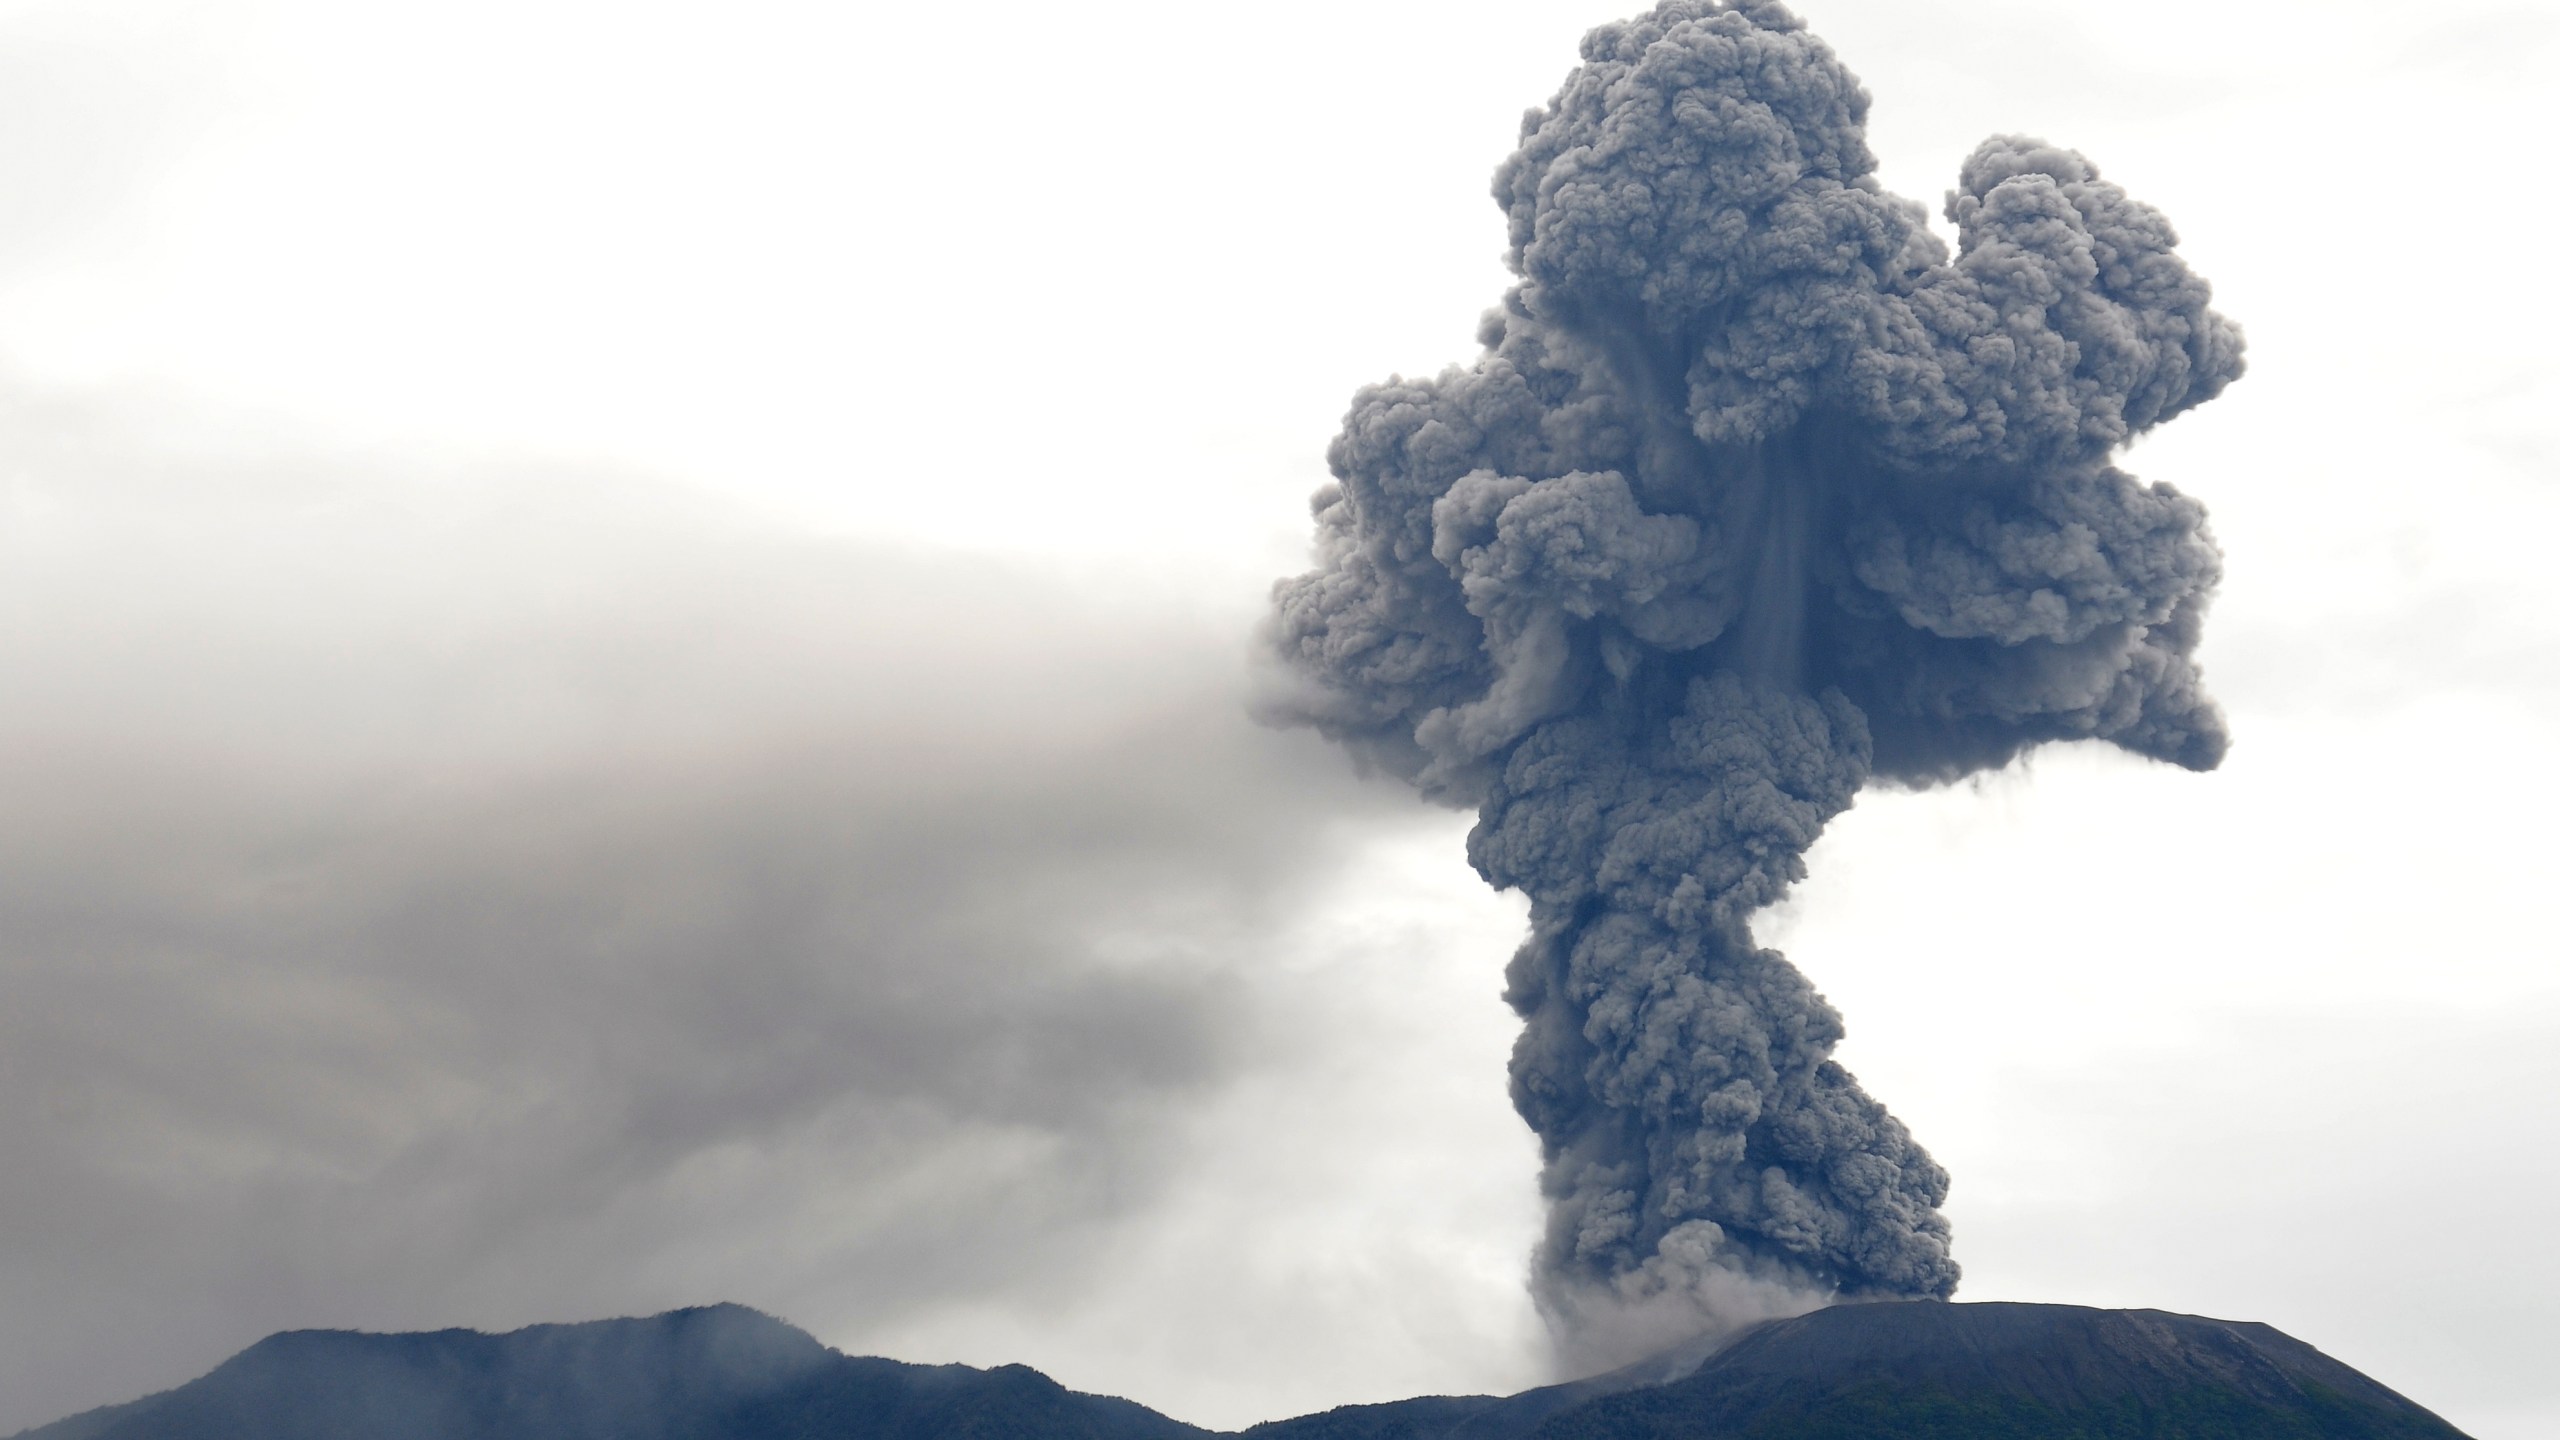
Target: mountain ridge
column 1929, row 1370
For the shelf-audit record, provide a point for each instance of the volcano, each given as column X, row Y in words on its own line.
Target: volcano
column 1926, row 1370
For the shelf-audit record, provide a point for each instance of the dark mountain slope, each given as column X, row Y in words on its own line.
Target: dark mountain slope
column 722, row 1372
column 1920, row 1370
column 868, row 1399
column 1926, row 1369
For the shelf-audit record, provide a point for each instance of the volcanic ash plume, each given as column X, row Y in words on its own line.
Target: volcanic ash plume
column 1753, row 496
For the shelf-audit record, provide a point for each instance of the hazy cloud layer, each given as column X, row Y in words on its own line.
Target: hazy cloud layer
column 436, row 896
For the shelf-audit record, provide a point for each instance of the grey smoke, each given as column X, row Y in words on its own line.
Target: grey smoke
column 1755, row 495
column 483, row 893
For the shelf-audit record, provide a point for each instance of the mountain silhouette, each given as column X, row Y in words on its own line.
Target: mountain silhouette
column 1930, row 1370
column 1906, row 1370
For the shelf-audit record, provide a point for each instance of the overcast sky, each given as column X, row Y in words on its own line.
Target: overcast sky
column 626, row 633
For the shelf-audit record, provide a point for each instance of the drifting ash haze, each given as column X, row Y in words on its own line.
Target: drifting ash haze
column 1754, row 496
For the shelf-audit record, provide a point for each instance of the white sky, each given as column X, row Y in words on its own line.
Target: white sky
column 1087, row 288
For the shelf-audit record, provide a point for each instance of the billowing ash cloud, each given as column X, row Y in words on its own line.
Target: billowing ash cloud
column 1755, row 495
column 487, row 892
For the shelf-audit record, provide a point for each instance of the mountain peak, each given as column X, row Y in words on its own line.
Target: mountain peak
column 2006, row 1368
